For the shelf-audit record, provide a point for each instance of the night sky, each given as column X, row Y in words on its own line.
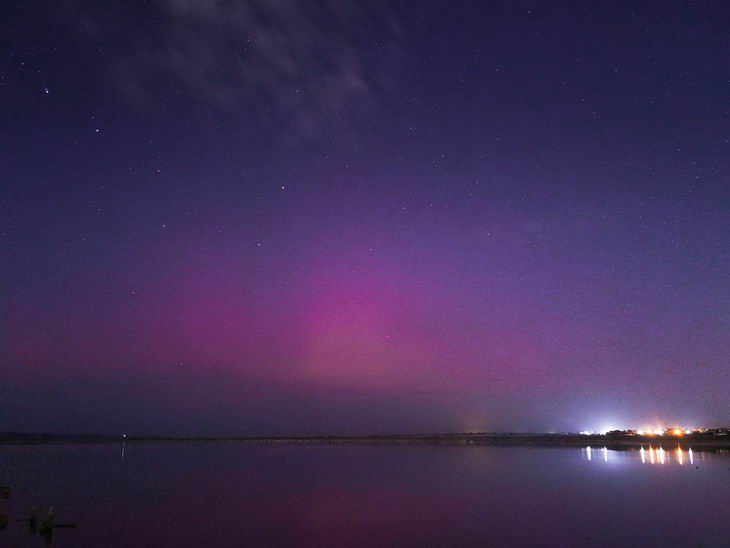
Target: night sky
column 289, row 217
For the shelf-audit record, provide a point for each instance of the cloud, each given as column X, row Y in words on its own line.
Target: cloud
column 307, row 69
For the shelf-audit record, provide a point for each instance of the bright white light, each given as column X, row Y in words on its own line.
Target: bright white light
column 640, row 432
column 585, row 432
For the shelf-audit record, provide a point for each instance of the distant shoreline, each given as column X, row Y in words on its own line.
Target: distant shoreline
column 459, row 439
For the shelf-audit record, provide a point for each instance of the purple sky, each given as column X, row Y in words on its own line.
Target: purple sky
column 287, row 218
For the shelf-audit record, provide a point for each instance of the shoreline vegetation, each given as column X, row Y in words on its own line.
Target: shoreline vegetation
column 698, row 441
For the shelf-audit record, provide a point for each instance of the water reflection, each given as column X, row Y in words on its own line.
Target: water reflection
column 291, row 495
column 655, row 455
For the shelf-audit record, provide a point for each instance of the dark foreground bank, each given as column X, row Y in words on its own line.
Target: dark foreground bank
column 482, row 438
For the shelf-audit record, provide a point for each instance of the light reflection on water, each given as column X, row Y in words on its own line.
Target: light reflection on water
column 652, row 455
column 231, row 494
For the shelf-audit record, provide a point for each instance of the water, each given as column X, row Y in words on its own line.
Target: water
column 234, row 494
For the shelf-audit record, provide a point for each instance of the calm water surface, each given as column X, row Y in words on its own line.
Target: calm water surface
column 234, row 494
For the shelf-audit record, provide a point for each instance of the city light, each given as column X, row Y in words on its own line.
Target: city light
column 662, row 431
